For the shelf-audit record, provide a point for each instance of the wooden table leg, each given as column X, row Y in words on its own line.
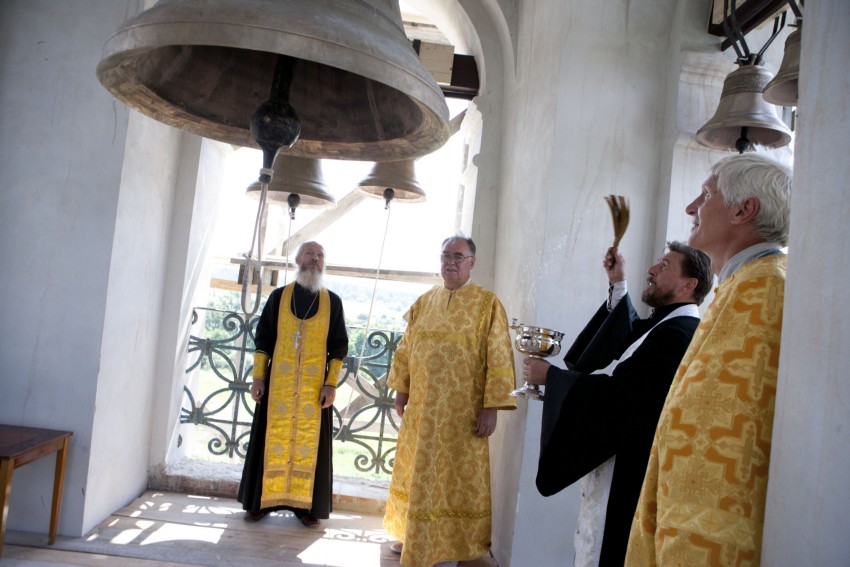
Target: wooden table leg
column 7, row 466
column 58, row 483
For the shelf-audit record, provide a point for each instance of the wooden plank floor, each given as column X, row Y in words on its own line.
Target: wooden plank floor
column 167, row 529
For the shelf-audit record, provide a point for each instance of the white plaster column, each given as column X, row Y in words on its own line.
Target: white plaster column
column 471, row 129
column 700, row 83
column 482, row 27
column 808, row 493
column 199, row 188
column 121, row 434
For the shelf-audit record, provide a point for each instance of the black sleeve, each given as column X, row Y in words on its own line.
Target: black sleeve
column 602, row 339
column 559, row 382
column 602, row 415
column 337, row 334
column 581, row 431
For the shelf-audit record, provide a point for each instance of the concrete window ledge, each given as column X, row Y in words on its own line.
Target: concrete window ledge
column 220, row 479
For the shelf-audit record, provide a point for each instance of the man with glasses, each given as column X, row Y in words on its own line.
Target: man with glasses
column 453, row 370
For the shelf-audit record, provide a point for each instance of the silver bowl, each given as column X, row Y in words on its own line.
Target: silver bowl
column 537, row 342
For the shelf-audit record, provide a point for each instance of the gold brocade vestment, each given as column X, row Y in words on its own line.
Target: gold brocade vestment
column 703, row 497
column 292, row 433
column 455, row 358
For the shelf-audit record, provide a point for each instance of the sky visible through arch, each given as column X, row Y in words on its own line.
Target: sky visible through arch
column 414, row 231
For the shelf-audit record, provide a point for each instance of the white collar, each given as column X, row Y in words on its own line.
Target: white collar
column 746, row 256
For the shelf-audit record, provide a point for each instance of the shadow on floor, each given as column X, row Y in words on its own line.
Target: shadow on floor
column 168, row 529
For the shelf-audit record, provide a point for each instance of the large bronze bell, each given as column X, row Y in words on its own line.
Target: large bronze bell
column 354, row 81
column 743, row 118
column 398, row 177
column 299, row 176
column 782, row 90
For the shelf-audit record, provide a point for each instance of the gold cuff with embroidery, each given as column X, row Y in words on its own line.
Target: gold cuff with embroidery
column 334, row 366
column 261, row 362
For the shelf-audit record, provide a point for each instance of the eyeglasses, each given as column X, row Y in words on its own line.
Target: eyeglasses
column 456, row 258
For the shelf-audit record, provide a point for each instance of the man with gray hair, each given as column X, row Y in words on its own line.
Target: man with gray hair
column 703, row 497
column 453, row 371
column 301, row 342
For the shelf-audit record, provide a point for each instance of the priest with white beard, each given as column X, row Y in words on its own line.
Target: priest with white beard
column 301, row 342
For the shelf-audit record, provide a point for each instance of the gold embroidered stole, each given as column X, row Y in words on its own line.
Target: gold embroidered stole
column 294, row 413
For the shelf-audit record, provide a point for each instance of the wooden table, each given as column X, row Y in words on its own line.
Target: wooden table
column 20, row 446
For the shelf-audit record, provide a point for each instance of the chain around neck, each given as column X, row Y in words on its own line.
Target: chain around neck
column 295, row 303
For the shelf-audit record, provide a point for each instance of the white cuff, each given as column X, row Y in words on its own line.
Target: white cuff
column 616, row 292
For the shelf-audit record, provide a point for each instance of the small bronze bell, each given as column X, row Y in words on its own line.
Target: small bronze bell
column 299, row 176
column 398, row 176
column 782, row 90
column 744, row 118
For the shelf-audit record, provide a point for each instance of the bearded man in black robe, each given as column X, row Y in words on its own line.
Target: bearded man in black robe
column 301, row 342
column 599, row 427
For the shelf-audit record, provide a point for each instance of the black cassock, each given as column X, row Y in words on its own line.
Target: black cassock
column 251, row 486
column 588, row 418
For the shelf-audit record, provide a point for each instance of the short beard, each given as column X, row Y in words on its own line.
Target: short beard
column 655, row 299
column 310, row 278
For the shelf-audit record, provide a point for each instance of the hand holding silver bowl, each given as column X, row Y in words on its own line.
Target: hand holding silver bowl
column 537, row 342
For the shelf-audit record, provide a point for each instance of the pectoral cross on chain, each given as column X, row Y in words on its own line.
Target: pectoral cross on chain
column 297, row 337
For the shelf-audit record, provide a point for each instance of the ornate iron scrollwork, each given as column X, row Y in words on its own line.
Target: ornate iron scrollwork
column 221, row 404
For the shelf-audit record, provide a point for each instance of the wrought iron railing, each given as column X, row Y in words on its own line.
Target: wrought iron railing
column 218, row 403
column 367, row 418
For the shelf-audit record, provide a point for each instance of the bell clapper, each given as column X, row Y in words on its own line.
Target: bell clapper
column 293, row 201
column 389, row 193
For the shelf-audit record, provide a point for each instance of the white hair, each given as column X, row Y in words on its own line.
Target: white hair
column 763, row 176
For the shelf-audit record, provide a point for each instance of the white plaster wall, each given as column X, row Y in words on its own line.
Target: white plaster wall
column 808, row 496
column 583, row 119
column 606, row 99
column 606, row 88
column 61, row 148
column 527, row 137
column 174, row 321
column 121, row 436
column 694, row 83
column 170, row 191
column 486, row 156
column 106, row 216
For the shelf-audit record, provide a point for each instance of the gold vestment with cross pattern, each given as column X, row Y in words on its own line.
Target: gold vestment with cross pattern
column 703, row 497
column 455, row 358
column 292, row 433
